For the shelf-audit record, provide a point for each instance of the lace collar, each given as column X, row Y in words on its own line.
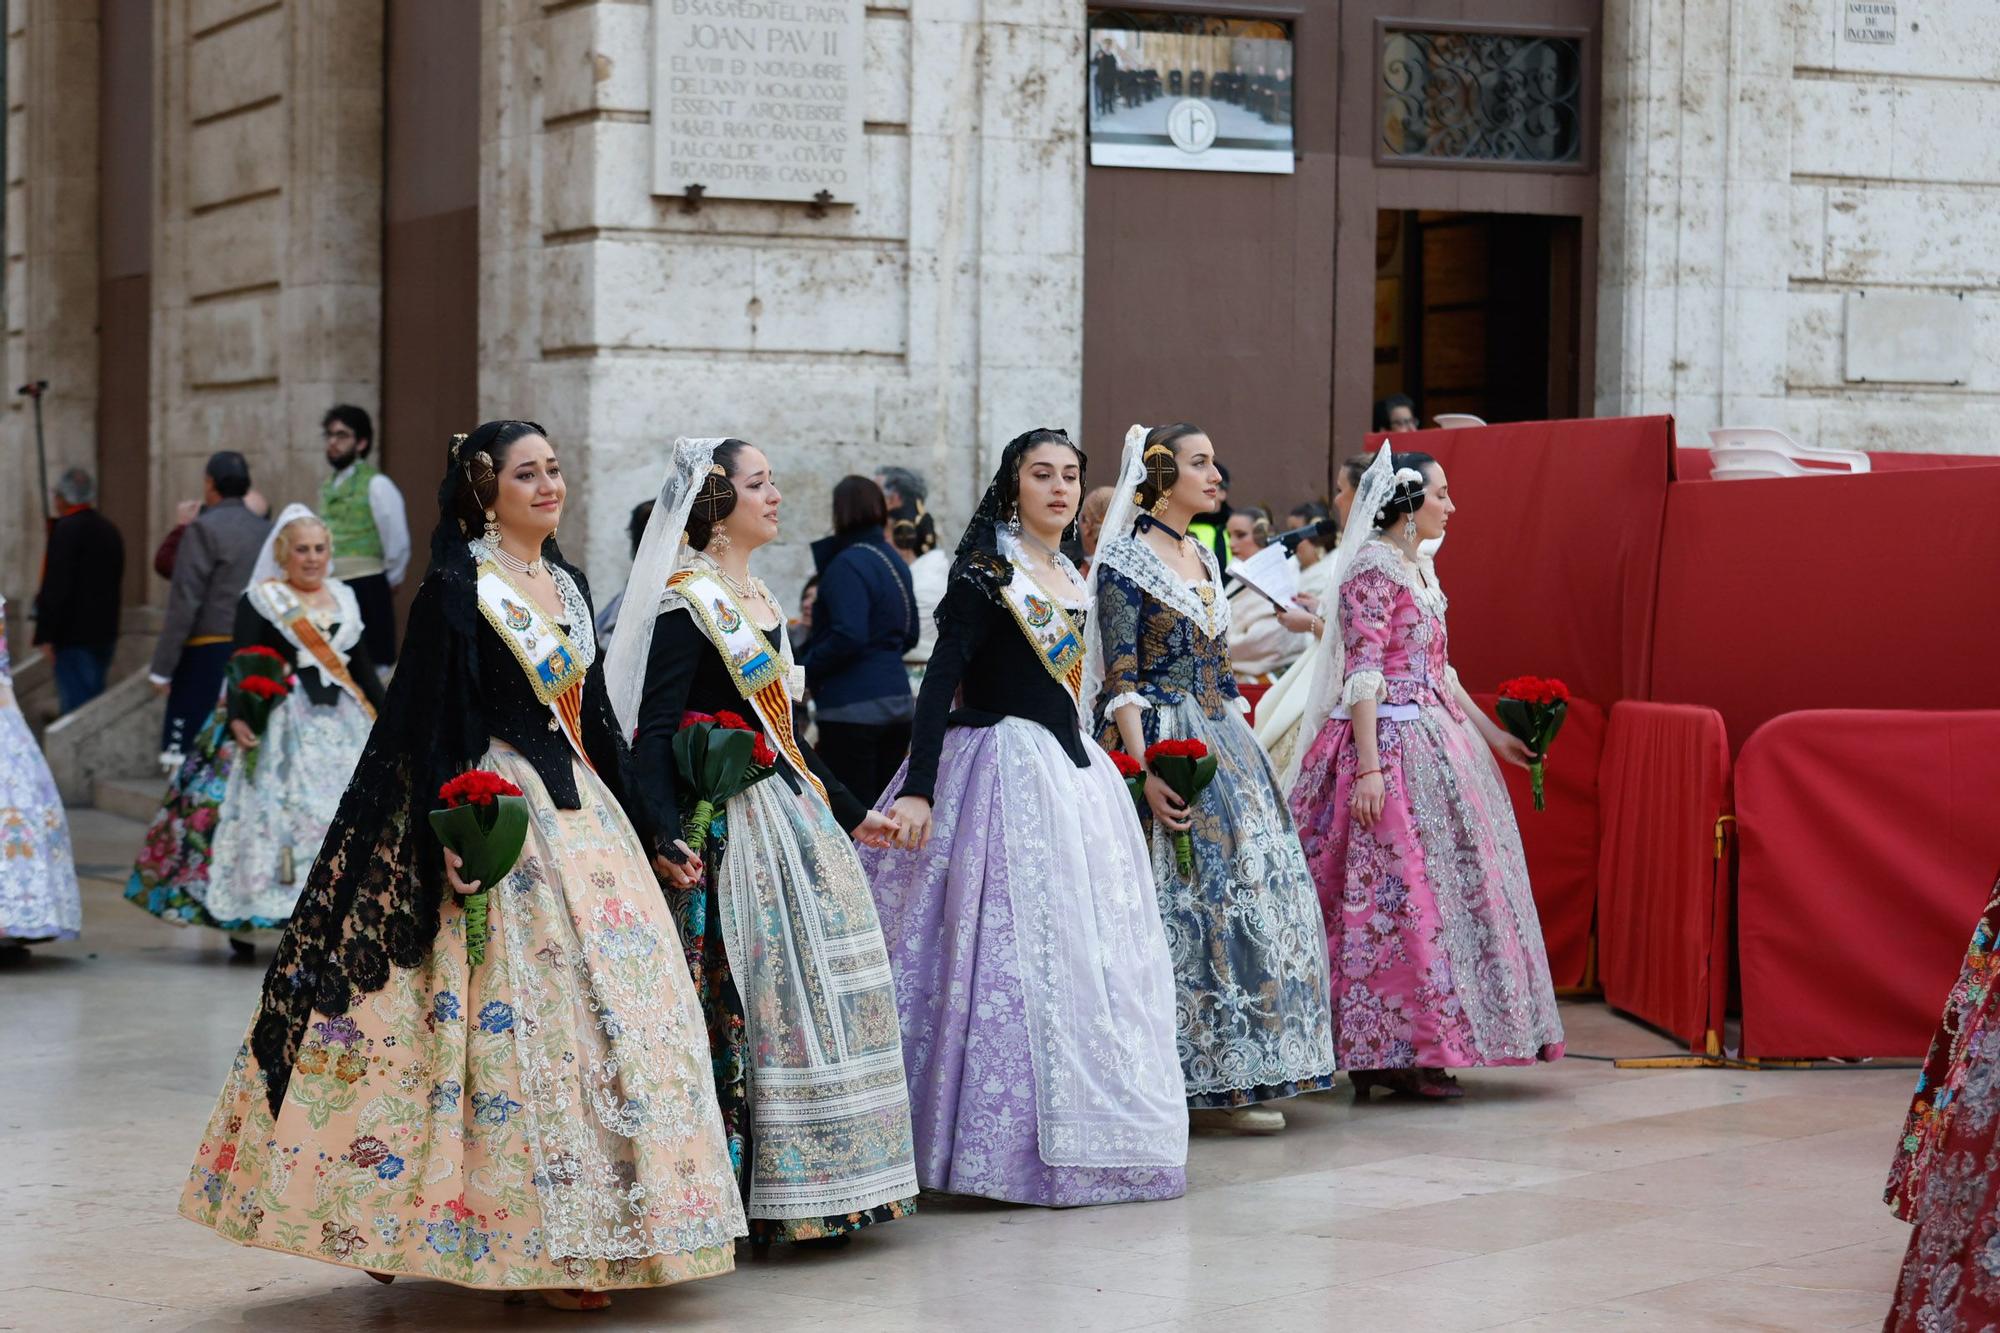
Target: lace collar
column 1140, row 563
column 1420, row 578
column 1072, row 598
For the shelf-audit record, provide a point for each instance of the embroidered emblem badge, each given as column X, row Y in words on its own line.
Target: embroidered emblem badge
column 727, row 616
column 1040, row 610
column 518, row 616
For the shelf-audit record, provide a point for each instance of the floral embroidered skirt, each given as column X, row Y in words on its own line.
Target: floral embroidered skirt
column 810, row 1084
column 1438, row 960
column 1946, row 1175
column 230, row 849
column 1068, row 1093
column 38, row 893
column 1248, row 945
column 545, row 1119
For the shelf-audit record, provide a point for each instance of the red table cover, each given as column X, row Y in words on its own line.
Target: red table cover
column 1662, row 895
column 1561, row 841
column 1868, row 841
column 1790, row 593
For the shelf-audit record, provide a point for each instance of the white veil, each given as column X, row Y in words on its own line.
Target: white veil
column 1118, row 521
column 660, row 552
column 1330, row 663
column 268, row 566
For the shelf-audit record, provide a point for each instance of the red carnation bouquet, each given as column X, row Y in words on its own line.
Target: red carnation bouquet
column 259, row 680
column 1187, row 767
column 1135, row 780
column 1532, row 709
column 485, row 821
column 718, row 757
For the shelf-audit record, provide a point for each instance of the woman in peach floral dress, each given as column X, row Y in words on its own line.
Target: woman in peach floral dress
column 545, row 1118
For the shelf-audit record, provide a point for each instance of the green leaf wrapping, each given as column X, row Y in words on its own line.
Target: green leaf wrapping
column 1188, row 778
column 715, row 763
column 488, row 838
column 1535, row 725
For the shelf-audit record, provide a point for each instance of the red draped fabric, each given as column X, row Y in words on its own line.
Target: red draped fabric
column 1552, row 558
column 1830, row 592
column 1868, row 841
column 1663, row 895
column 1561, row 841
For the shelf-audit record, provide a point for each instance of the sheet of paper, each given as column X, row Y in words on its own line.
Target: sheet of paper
column 1272, row 572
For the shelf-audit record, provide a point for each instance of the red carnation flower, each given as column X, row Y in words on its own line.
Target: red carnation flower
column 1127, row 766
column 763, row 755
column 1535, row 690
column 263, row 687
column 734, row 721
column 259, row 650
column 477, row 786
column 692, row 719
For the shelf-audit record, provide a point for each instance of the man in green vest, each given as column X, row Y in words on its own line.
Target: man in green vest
column 365, row 517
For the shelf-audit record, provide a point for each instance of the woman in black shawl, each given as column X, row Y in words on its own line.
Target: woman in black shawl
column 544, row 1118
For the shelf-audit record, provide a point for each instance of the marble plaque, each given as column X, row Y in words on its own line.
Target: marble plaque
column 758, row 99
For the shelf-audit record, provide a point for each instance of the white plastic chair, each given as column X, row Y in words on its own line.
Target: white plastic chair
column 1456, row 420
column 1743, row 452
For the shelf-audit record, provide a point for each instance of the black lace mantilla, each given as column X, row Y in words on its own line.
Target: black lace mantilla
column 371, row 900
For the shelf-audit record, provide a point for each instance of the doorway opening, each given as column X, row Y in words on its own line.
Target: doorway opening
column 1478, row 313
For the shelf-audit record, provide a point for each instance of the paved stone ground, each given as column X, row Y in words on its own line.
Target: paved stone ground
column 1571, row 1197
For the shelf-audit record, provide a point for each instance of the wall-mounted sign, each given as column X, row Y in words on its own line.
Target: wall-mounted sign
column 1189, row 92
column 1870, row 22
column 758, row 99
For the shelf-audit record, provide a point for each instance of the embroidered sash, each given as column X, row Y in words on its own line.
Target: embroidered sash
column 1048, row 627
column 762, row 674
column 544, row 652
column 281, row 606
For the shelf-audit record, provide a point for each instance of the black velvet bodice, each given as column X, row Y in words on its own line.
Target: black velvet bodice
column 685, row 673
column 984, row 661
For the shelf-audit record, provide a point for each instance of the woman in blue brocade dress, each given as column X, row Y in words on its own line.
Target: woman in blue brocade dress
column 1248, row 942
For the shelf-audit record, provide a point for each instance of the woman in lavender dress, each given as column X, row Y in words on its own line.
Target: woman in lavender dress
column 1031, row 966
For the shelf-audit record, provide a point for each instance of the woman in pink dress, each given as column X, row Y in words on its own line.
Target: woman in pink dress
column 1437, row 953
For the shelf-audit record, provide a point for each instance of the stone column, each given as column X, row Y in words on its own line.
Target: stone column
column 267, row 249
column 51, row 269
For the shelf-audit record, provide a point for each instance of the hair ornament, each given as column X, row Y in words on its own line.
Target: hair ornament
column 1408, row 474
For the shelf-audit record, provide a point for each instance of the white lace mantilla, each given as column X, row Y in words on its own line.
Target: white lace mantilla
column 1141, row 564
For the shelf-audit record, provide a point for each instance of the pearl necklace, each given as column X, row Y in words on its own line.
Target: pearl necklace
column 531, row 568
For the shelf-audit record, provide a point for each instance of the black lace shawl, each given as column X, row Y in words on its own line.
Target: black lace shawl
column 978, row 559
column 371, row 900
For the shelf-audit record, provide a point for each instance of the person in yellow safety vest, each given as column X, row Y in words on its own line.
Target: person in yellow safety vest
column 1212, row 530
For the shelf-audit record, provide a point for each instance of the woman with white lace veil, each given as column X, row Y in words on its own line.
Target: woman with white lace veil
column 1405, row 821
column 1032, row 973
column 1244, row 930
column 774, row 911
column 230, row 848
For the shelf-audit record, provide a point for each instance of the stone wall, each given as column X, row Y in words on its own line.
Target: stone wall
column 922, row 326
column 267, row 242
column 1759, row 168
column 51, row 269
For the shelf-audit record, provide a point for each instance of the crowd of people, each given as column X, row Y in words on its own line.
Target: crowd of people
column 965, row 931
column 966, row 935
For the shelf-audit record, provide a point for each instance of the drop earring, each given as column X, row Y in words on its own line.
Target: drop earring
column 1159, row 508
column 718, row 541
column 492, row 533
column 1410, row 528
column 1014, row 520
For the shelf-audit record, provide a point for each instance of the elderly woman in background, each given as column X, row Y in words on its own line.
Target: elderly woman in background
column 1090, row 525
column 863, row 623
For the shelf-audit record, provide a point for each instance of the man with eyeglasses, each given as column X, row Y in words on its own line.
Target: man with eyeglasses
column 370, row 529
